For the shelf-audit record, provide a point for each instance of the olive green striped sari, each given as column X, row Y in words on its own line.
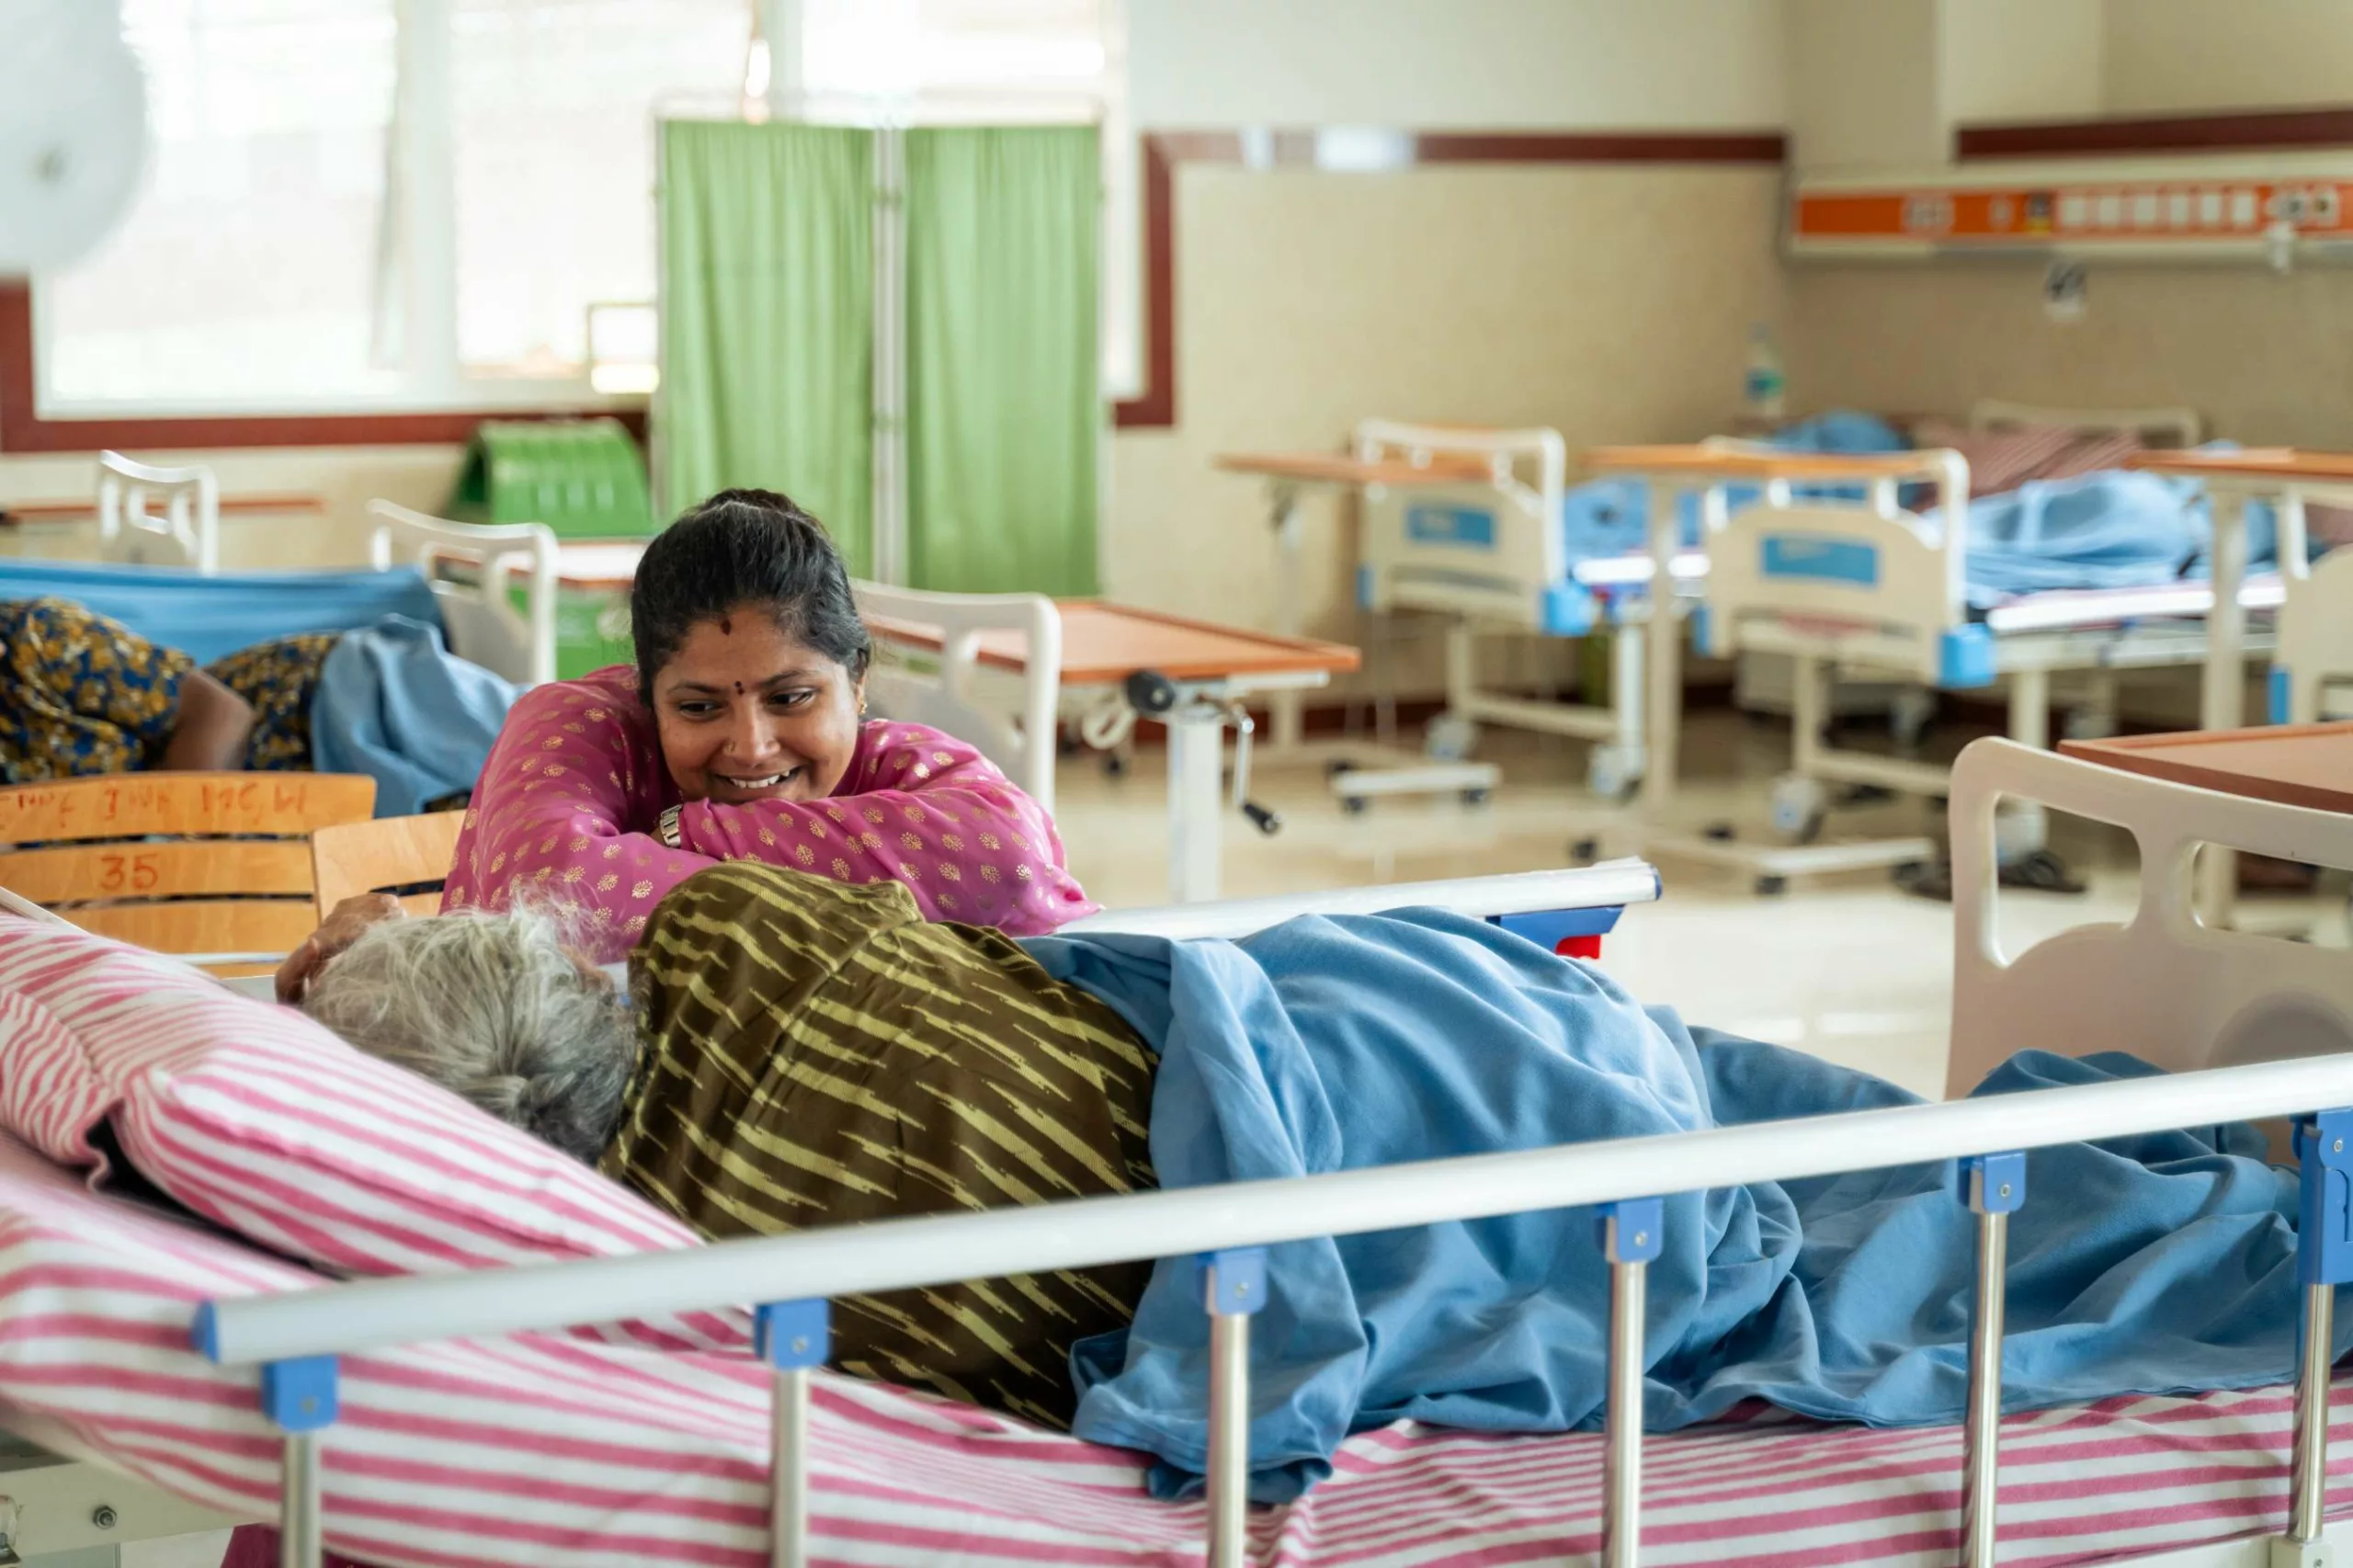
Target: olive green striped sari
column 817, row 1054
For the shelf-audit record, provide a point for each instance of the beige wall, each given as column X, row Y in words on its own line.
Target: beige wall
column 2263, row 358
column 2188, row 56
column 344, row 478
column 2022, row 58
column 1482, row 65
column 1612, row 304
column 1864, row 88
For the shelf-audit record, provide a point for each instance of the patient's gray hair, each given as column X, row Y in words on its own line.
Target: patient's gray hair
column 492, row 1007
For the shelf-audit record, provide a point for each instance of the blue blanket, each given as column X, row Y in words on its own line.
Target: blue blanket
column 395, row 704
column 2150, row 1265
column 206, row 618
column 2110, row 530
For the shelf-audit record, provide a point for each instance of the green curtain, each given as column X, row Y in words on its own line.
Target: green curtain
column 1003, row 398
column 768, row 310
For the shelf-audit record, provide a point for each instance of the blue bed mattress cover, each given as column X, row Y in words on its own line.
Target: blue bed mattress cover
column 207, row 616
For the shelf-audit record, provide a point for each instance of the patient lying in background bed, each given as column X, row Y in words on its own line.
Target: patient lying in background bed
column 802, row 1053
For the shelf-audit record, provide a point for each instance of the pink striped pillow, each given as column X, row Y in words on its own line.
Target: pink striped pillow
column 260, row 1120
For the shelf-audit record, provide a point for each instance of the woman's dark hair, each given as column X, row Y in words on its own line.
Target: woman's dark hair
column 745, row 549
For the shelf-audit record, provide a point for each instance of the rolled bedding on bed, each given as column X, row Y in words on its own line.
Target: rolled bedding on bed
column 395, row 704
column 2147, row 1265
column 2114, row 529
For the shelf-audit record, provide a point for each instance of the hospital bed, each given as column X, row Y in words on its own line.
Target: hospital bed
column 1487, row 553
column 1491, row 552
column 2314, row 644
column 1866, row 586
column 779, row 1460
column 492, row 587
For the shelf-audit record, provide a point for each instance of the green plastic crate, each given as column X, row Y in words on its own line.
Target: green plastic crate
column 581, row 477
column 591, row 629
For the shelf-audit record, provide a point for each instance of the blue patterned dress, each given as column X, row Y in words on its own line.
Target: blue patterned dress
column 82, row 694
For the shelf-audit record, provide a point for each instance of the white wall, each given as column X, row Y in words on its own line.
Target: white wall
column 2193, row 56
column 1475, row 64
column 2023, row 59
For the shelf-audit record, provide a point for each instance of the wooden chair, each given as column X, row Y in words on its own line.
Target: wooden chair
column 385, row 855
column 214, row 868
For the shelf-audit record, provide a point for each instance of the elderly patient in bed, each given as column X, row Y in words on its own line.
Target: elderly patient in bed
column 791, row 1051
column 798, row 1053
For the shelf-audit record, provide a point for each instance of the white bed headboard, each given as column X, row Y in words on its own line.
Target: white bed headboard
column 2162, row 986
column 1017, row 732
column 1504, row 449
column 189, row 527
column 2166, row 427
column 484, row 626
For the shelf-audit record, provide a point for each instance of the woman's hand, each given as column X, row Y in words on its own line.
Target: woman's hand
column 343, row 927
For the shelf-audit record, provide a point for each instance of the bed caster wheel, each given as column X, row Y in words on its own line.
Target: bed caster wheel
column 1925, row 879
column 1611, row 771
column 1151, row 693
column 2090, row 725
column 1908, row 721
column 1800, row 807
column 1450, row 738
column 1586, row 851
column 2041, row 871
column 1718, row 832
column 1772, row 887
column 1355, row 805
column 1477, row 797
column 1115, row 765
column 1267, row 822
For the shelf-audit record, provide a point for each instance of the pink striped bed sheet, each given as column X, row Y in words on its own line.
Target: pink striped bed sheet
column 549, row 1449
column 260, row 1120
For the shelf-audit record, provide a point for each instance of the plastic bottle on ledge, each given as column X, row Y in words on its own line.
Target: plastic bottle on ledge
column 1761, row 388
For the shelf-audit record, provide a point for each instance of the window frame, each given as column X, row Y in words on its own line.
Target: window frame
column 448, row 403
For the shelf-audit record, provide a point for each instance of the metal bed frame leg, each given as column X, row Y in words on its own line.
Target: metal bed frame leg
column 2323, row 1261
column 1234, row 1286
column 1631, row 1237
column 1995, row 1188
column 299, row 1396
column 792, row 1338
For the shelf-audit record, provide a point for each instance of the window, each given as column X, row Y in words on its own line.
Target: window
column 989, row 62
column 552, row 103
column 246, row 270
column 366, row 205
column 380, row 204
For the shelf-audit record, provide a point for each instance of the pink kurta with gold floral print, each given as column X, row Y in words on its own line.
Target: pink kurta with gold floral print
column 575, row 786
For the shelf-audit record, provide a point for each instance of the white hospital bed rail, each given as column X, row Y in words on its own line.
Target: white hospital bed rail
column 1613, row 884
column 296, row 1336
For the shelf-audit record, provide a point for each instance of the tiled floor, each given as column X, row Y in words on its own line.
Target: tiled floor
column 1847, row 967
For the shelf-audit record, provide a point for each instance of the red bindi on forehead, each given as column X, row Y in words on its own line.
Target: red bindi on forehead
column 739, row 688
column 727, row 628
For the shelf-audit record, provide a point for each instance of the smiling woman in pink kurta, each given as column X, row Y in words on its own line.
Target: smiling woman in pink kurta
column 569, row 799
